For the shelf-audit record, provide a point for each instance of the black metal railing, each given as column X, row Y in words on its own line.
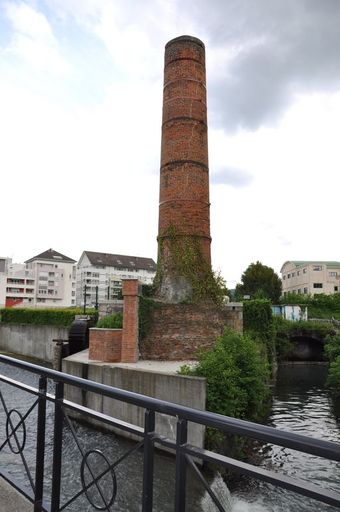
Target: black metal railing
column 186, row 454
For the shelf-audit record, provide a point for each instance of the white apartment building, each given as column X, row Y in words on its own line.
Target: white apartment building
column 310, row 277
column 46, row 280
column 4, row 264
column 102, row 274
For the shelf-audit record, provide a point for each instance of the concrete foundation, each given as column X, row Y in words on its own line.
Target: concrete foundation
column 150, row 378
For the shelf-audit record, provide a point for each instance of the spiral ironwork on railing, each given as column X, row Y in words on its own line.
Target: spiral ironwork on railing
column 95, row 466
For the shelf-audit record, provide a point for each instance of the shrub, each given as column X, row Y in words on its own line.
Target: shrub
column 332, row 350
column 258, row 322
column 61, row 317
column 236, row 375
column 114, row 321
column 333, row 379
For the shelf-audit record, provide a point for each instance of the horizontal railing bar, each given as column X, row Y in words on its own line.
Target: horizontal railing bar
column 26, row 493
column 327, row 449
column 115, row 422
column 17, row 384
column 277, row 479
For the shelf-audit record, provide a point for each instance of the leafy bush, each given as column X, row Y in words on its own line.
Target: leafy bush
column 332, row 350
column 258, row 317
column 114, row 321
column 332, row 347
column 60, row 317
column 258, row 322
column 333, row 379
column 236, row 375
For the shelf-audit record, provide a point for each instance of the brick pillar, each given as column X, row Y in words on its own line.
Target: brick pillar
column 130, row 321
column 184, row 175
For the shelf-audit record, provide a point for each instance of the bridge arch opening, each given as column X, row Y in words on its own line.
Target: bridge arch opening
column 306, row 348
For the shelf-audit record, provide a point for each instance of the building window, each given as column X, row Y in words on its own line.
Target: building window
column 283, row 277
column 333, row 274
column 335, row 288
column 299, row 291
column 305, row 291
column 298, row 273
column 293, row 274
column 288, row 276
column 317, row 268
column 304, row 271
column 317, row 285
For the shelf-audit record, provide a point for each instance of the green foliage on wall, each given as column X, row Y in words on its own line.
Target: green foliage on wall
column 60, row 317
column 258, row 322
column 188, row 261
column 258, row 317
column 146, row 306
column 114, row 321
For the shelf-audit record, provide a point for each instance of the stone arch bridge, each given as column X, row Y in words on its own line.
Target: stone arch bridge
column 308, row 344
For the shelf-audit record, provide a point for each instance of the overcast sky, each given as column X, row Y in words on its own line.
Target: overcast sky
column 80, row 126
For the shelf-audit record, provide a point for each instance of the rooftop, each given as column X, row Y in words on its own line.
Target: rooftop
column 120, row 261
column 51, row 255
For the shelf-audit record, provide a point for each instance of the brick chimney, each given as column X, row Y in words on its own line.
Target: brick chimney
column 184, row 220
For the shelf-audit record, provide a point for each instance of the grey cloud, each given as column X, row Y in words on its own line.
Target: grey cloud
column 231, row 176
column 284, row 48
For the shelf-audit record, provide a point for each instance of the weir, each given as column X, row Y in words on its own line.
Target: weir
column 99, row 473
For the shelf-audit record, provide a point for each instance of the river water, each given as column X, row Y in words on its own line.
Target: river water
column 301, row 404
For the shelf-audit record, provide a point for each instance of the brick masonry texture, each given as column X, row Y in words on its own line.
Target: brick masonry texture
column 119, row 345
column 179, row 330
column 130, row 321
column 184, row 176
column 105, row 345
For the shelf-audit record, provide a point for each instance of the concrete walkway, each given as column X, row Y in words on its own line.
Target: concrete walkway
column 11, row 500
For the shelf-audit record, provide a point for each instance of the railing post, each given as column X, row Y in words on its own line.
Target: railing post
column 40, row 449
column 181, row 463
column 149, row 428
column 57, row 447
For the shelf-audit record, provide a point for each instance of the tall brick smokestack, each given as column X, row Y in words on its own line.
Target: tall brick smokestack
column 184, row 220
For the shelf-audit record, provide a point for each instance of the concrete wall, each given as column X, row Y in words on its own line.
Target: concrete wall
column 31, row 340
column 189, row 391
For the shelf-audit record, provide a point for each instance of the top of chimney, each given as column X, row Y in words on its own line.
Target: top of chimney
column 184, row 39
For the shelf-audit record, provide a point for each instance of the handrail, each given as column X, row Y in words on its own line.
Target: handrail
column 186, row 454
column 313, row 446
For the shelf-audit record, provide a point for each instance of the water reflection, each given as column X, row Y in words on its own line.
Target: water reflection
column 303, row 405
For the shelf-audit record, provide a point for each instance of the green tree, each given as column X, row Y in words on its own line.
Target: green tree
column 260, row 282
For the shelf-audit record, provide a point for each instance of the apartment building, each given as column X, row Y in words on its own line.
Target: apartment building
column 46, row 280
column 99, row 275
column 310, row 277
column 55, row 279
column 4, row 264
